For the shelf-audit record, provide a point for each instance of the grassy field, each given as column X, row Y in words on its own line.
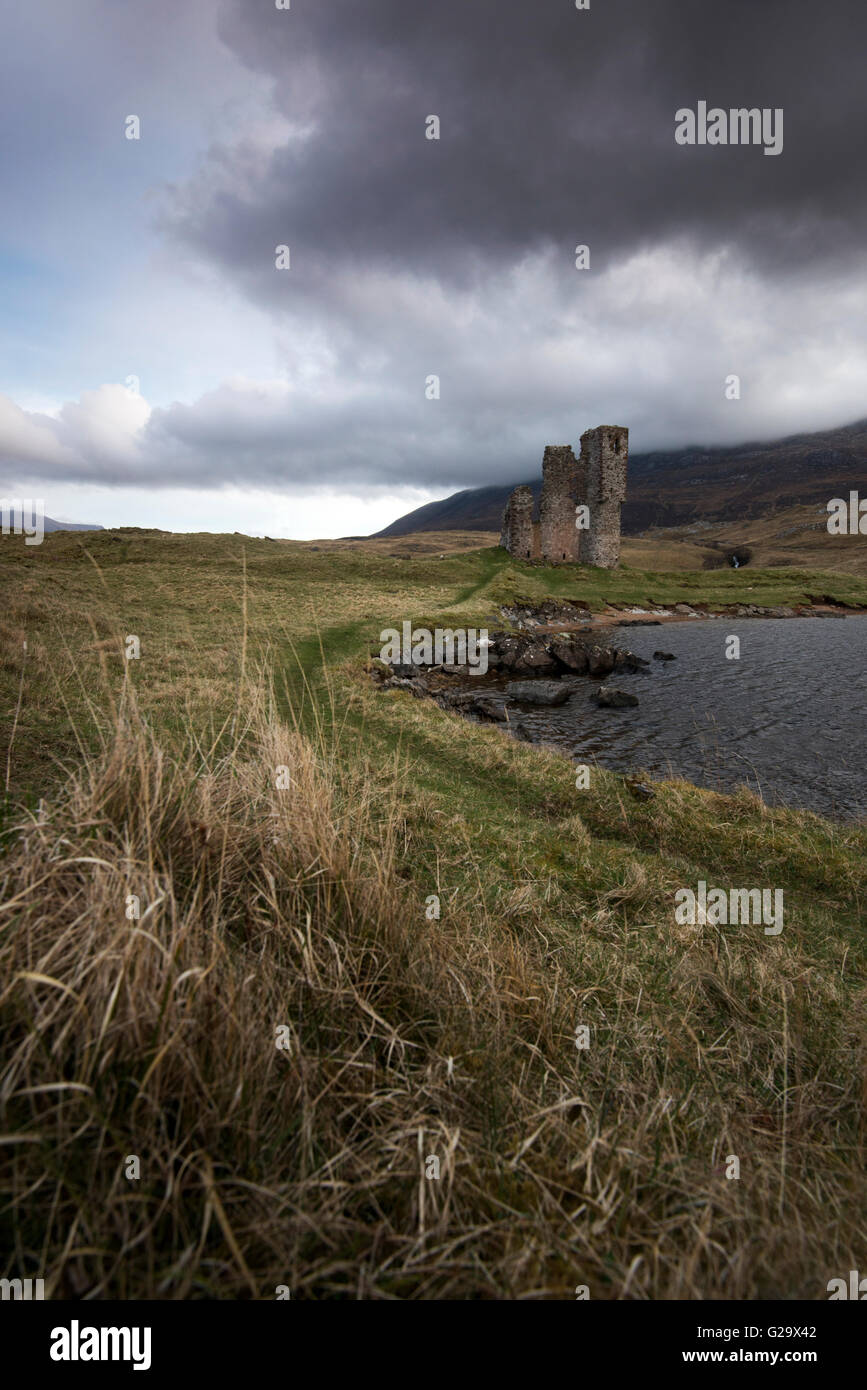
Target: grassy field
column 156, row 786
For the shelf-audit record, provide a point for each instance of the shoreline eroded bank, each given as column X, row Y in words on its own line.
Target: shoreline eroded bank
column 562, row 614
column 775, row 707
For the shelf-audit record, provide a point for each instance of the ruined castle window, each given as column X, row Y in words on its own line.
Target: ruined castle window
column 617, row 443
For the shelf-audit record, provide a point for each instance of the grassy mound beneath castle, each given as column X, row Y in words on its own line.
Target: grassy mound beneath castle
column 282, row 832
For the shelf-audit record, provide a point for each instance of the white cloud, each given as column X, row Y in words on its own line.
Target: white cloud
column 106, row 425
column 252, row 511
column 28, row 437
column 527, row 359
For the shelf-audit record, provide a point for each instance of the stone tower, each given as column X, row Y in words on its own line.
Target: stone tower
column 604, row 453
column 517, row 536
column 558, row 538
column 596, row 480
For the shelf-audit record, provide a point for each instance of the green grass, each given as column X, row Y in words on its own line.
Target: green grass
column 73, row 600
column 561, row 1167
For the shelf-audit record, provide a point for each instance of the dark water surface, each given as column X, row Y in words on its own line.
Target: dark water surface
column 787, row 719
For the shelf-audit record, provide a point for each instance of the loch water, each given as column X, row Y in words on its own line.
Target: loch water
column 786, row 719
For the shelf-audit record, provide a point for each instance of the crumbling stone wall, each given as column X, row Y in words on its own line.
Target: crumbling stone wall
column 597, row 480
column 604, row 454
column 517, row 536
column 506, row 531
column 558, row 538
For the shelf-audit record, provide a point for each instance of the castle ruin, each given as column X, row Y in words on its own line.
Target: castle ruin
column 596, row 480
column 518, row 535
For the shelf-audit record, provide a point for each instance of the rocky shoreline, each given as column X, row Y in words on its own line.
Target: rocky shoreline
column 554, row 650
column 523, row 669
column 562, row 614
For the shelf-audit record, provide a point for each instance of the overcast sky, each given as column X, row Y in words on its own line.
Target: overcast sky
column 157, row 368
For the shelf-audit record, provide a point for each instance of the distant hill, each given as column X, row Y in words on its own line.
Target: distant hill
column 675, row 487
column 52, row 525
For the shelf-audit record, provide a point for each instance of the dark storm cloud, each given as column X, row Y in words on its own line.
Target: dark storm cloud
column 557, row 126
column 455, row 258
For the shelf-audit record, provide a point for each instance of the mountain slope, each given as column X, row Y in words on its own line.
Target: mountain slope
column 52, row 525
column 672, row 488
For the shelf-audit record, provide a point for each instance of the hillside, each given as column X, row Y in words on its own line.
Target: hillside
column 675, row 488
column 52, row 525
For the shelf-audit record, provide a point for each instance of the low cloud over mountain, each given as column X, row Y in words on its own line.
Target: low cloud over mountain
column 414, row 258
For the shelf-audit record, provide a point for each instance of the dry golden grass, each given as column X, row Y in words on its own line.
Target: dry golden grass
column 411, row 1038
column 793, row 537
column 408, row 1039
